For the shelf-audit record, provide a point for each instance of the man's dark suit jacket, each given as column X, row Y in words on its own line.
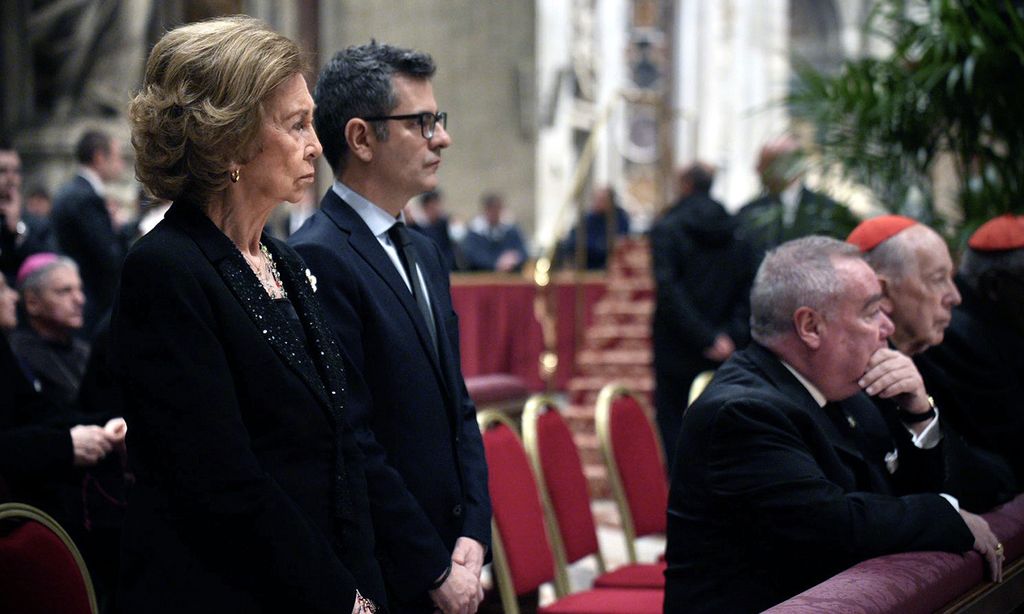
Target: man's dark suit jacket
column 412, row 414
column 816, row 214
column 85, row 233
column 57, row 368
column 36, row 455
column 250, row 493
column 772, row 494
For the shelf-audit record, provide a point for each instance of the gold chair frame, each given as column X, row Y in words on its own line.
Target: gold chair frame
column 23, row 511
column 602, row 416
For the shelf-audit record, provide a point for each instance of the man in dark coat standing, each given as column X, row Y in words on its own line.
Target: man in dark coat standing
column 787, row 473
column 702, row 272
column 385, row 291
column 83, row 225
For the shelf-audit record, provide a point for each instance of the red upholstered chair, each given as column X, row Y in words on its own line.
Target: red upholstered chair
column 41, row 570
column 522, row 552
column 563, row 487
column 636, row 463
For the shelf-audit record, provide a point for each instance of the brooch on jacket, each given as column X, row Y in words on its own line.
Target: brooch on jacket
column 892, row 461
column 312, row 279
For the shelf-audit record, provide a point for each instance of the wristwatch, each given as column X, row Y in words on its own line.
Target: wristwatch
column 908, row 418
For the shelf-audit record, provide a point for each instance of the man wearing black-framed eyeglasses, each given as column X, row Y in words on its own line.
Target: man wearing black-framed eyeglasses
column 428, row 121
column 385, row 292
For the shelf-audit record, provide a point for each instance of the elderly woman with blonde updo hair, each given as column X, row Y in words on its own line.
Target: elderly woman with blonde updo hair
column 250, row 493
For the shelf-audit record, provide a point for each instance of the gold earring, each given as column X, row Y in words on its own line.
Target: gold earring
column 235, row 174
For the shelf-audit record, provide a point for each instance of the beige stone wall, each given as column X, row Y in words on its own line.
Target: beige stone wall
column 485, row 55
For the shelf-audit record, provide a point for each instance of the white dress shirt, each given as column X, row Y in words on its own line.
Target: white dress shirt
column 379, row 222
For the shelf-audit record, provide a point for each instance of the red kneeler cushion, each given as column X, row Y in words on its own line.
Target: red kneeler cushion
column 607, row 601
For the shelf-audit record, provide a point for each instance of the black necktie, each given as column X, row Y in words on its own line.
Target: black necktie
column 399, row 235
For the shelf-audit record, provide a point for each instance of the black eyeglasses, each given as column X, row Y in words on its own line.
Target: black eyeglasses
column 428, row 121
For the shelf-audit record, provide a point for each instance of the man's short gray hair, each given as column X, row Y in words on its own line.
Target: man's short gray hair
column 798, row 273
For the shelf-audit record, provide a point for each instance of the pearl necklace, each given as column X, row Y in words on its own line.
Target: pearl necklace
column 273, row 287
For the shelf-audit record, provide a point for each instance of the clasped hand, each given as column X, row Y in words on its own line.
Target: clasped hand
column 91, row 443
column 462, row 592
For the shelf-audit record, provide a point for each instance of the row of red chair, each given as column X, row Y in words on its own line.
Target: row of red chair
column 41, row 570
column 542, row 515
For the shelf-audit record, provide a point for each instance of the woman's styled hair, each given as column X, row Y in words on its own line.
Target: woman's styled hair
column 200, row 108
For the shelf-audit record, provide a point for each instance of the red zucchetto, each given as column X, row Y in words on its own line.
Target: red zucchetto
column 869, row 233
column 998, row 234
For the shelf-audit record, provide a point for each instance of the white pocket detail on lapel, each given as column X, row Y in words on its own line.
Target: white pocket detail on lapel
column 892, row 461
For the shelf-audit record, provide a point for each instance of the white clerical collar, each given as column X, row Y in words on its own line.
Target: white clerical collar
column 790, row 199
column 94, row 180
column 377, row 220
column 811, row 388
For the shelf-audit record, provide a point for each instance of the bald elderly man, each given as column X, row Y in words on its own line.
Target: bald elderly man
column 977, row 373
column 915, row 271
column 786, row 471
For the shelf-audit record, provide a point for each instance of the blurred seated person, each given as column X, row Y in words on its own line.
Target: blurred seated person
column 38, row 204
column 813, row 449
column 35, row 441
column 605, row 204
column 36, row 214
column 51, row 291
column 976, row 372
column 66, row 370
column 21, row 235
column 433, row 221
column 61, row 460
column 492, row 244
